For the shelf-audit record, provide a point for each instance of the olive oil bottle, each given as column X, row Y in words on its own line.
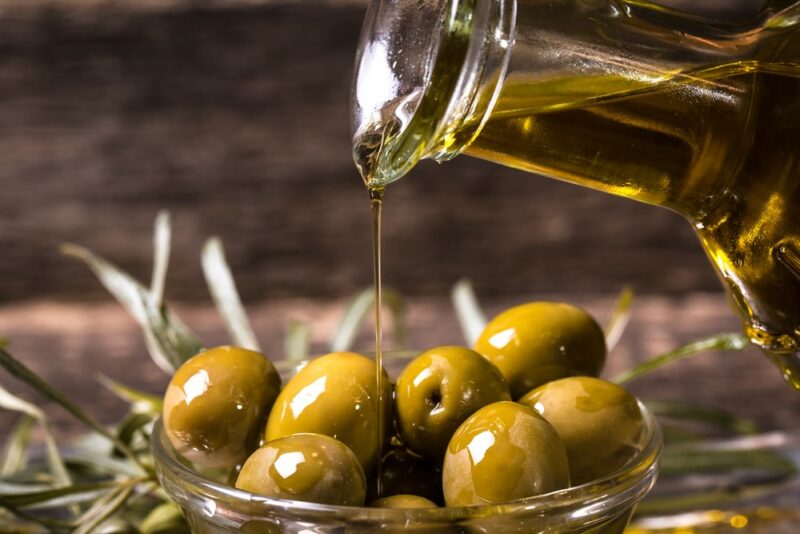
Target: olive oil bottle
column 724, row 153
column 695, row 111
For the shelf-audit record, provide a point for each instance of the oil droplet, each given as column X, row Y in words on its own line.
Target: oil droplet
column 789, row 365
column 738, row 521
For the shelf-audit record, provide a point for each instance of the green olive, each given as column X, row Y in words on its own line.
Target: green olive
column 403, row 501
column 409, row 503
column 403, row 472
column 305, row 467
column 502, row 452
column 260, row 527
column 216, row 403
column 537, row 342
column 438, row 390
column 335, row 395
column 599, row 422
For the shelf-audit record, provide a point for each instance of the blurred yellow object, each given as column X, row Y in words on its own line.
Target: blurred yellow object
column 761, row 520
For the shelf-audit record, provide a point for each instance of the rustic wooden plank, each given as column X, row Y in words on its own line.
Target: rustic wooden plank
column 235, row 117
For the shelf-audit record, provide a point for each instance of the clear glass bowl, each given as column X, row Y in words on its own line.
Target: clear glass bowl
column 603, row 506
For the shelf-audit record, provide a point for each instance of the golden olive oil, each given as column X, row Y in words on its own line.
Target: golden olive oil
column 368, row 149
column 376, row 206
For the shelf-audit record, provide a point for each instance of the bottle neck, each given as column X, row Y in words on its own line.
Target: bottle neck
column 424, row 90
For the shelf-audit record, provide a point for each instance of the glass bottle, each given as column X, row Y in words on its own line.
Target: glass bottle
column 695, row 108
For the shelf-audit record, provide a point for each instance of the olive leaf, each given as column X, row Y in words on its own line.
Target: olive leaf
column 707, row 415
column 120, row 284
column 132, row 425
column 167, row 337
column 729, row 341
column 675, row 433
column 101, row 465
column 88, row 443
column 356, row 312
column 297, row 342
column 145, row 499
column 17, row 528
column 470, row 316
column 58, row 497
column 162, row 238
column 106, row 498
column 13, row 488
column 15, row 452
column 17, row 369
column 620, row 316
column 51, row 524
column 139, row 401
column 225, row 296
column 168, row 341
column 115, row 525
column 166, row 517
column 768, row 463
column 105, row 507
column 54, row 460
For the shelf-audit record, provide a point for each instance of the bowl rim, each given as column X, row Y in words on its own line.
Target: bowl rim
column 622, row 486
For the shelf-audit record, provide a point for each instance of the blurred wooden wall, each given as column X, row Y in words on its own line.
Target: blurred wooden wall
column 234, row 116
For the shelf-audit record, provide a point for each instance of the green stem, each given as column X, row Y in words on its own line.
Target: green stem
column 19, row 370
column 718, row 342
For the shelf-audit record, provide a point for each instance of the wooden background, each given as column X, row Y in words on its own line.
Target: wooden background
column 234, row 116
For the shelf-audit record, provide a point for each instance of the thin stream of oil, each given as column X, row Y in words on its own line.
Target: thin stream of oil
column 376, row 205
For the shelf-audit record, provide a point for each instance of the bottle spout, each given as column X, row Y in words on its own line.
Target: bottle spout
column 398, row 43
column 427, row 74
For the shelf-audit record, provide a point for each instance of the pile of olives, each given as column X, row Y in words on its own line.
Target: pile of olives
column 519, row 415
